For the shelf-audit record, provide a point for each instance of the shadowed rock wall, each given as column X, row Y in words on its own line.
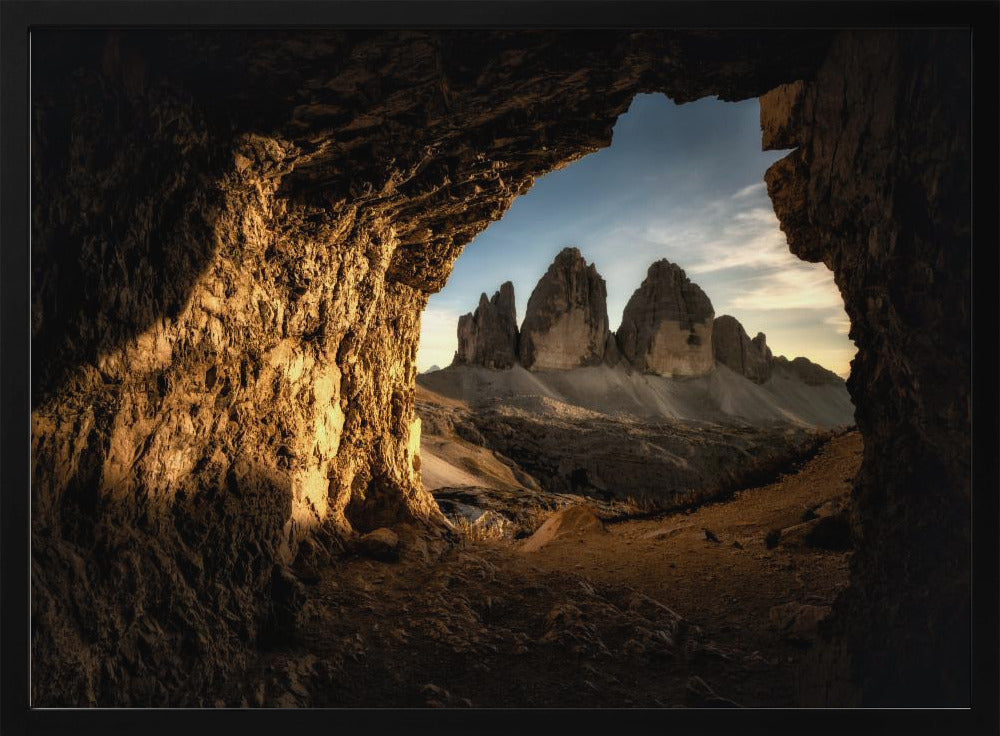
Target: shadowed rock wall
column 733, row 347
column 878, row 189
column 234, row 235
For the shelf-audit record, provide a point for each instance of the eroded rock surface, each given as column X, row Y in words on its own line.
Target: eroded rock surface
column 667, row 324
column 733, row 347
column 566, row 322
column 488, row 337
column 878, row 190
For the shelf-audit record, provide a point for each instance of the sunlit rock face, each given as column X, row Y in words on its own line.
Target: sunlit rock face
column 878, row 189
column 667, row 325
column 488, row 337
column 733, row 347
column 566, row 321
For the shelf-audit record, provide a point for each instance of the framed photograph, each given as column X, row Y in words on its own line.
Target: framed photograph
column 499, row 365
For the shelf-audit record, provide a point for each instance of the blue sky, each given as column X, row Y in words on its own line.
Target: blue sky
column 682, row 182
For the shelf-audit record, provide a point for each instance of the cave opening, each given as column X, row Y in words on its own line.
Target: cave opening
column 231, row 251
column 682, row 184
column 642, row 449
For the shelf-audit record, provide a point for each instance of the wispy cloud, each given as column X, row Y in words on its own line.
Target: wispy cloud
column 789, row 289
column 840, row 323
column 752, row 189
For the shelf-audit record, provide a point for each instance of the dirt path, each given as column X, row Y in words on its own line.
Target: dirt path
column 648, row 613
column 729, row 587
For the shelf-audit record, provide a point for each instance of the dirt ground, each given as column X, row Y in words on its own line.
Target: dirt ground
column 646, row 612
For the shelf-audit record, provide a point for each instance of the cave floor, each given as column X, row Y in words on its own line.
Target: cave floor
column 649, row 613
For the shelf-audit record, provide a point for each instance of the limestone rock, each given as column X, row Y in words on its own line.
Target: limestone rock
column 734, row 349
column 806, row 371
column 667, row 324
column 488, row 337
column 566, row 322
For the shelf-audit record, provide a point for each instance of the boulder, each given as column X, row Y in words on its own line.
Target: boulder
column 577, row 520
column 381, row 544
column 566, row 321
column 488, row 337
column 734, row 349
column 667, row 325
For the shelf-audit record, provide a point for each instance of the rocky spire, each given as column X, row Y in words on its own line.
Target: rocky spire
column 734, row 349
column 489, row 336
column 667, row 324
column 566, row 322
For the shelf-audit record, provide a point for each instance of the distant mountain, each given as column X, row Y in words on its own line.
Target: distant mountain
column 431, row 370
column 668, row 328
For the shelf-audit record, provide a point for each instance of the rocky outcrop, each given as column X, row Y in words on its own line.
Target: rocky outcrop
column 805, row 371
column 488, row 337
column 566, row 322
column 878, row 189
column 733, row 348
column 667, row 325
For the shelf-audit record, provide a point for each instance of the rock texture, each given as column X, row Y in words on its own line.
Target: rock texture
column 488, row 337
column 667, row 324
column 878, row 190
column 732, row 347
column 566, row 322
column 806, row 371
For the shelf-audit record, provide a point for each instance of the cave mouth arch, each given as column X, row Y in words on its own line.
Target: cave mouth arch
column 327, row 235
column 683, row 183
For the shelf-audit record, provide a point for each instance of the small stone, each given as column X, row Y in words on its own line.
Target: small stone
column 381, row 544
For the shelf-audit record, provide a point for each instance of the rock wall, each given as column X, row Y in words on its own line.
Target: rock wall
column 878, row 189
column 233, row 237
column 667, row 325
column 733, row 347
column 488, row 337
column 566, row 322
